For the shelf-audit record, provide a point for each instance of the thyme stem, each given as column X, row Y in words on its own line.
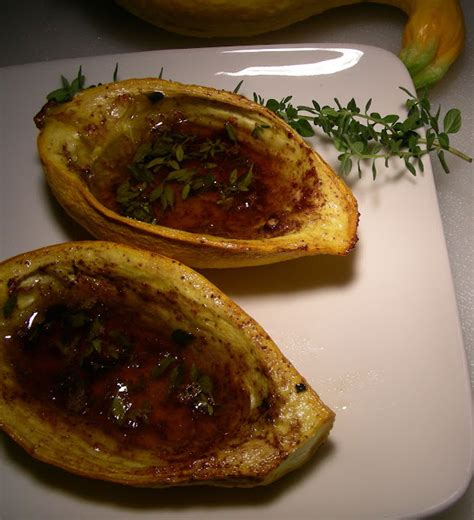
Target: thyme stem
column 368, row 136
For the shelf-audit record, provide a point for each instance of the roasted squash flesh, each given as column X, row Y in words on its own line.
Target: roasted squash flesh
column 123, row 365
column 204, row 176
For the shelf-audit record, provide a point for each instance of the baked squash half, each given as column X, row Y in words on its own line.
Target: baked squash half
column 123, row 365
column 201, row 175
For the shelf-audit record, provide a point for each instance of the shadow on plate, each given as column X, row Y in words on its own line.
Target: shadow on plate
column 69, row 227
column 293, row 275
column 177, row 498
column 302, row 274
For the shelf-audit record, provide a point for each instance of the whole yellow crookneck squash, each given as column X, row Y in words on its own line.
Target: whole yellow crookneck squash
column 432, row 40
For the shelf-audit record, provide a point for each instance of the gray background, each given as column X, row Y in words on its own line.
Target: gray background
column 44, row 30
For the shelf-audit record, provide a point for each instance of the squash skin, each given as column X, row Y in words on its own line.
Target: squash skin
column 432, row 40
column 433, row 37
column 255, row 454
column 94, row 115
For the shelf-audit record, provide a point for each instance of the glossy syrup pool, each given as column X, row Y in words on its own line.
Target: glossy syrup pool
column 191, row 178
column 147, row 387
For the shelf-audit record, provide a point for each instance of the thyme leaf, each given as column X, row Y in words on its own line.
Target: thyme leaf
column 258, row 130
column 178, row 165
column 115, row 75
column 237, row 88
column 10, row 305
column 162, row 366
column 236, row 184
column 69, row 89
column 231, row 133
column 363, row 136
column 359, row 135
column 203, row 387
column 118, row 408
column 176, row 376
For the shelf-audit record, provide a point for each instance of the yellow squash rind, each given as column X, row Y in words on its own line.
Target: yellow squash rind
column 73, row 136
column 258, row 452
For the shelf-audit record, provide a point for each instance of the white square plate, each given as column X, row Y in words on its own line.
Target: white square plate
column 376, row 333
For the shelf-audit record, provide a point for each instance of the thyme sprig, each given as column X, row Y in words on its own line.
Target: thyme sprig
column 363, row 136
column 360, row 136
column 70, row 88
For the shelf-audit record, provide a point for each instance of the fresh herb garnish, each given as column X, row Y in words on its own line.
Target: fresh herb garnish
column 77, row 319
column 286, row 111
column 176, row 376
column 115, row 74
column 97, row 345
column 237, row 88
column 80, row 334
column 70, row 88
column 361, row 135
column 200, row 391
column 139, row 414
column 178, row 165
column 159, row 370
column 121, row 339
column 236, row 184
column 132, row 204
column 189, row 385
column 9, row 305
column 167, row 197
column 358, row 135
column 231, row 133
column 126, row 413
column 258, row 130
column 119, row 408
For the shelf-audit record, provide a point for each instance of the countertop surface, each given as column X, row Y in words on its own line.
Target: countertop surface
column 45, row 30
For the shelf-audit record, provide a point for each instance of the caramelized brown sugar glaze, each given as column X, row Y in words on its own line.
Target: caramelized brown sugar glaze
column 267, row 206
column 89, row 356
